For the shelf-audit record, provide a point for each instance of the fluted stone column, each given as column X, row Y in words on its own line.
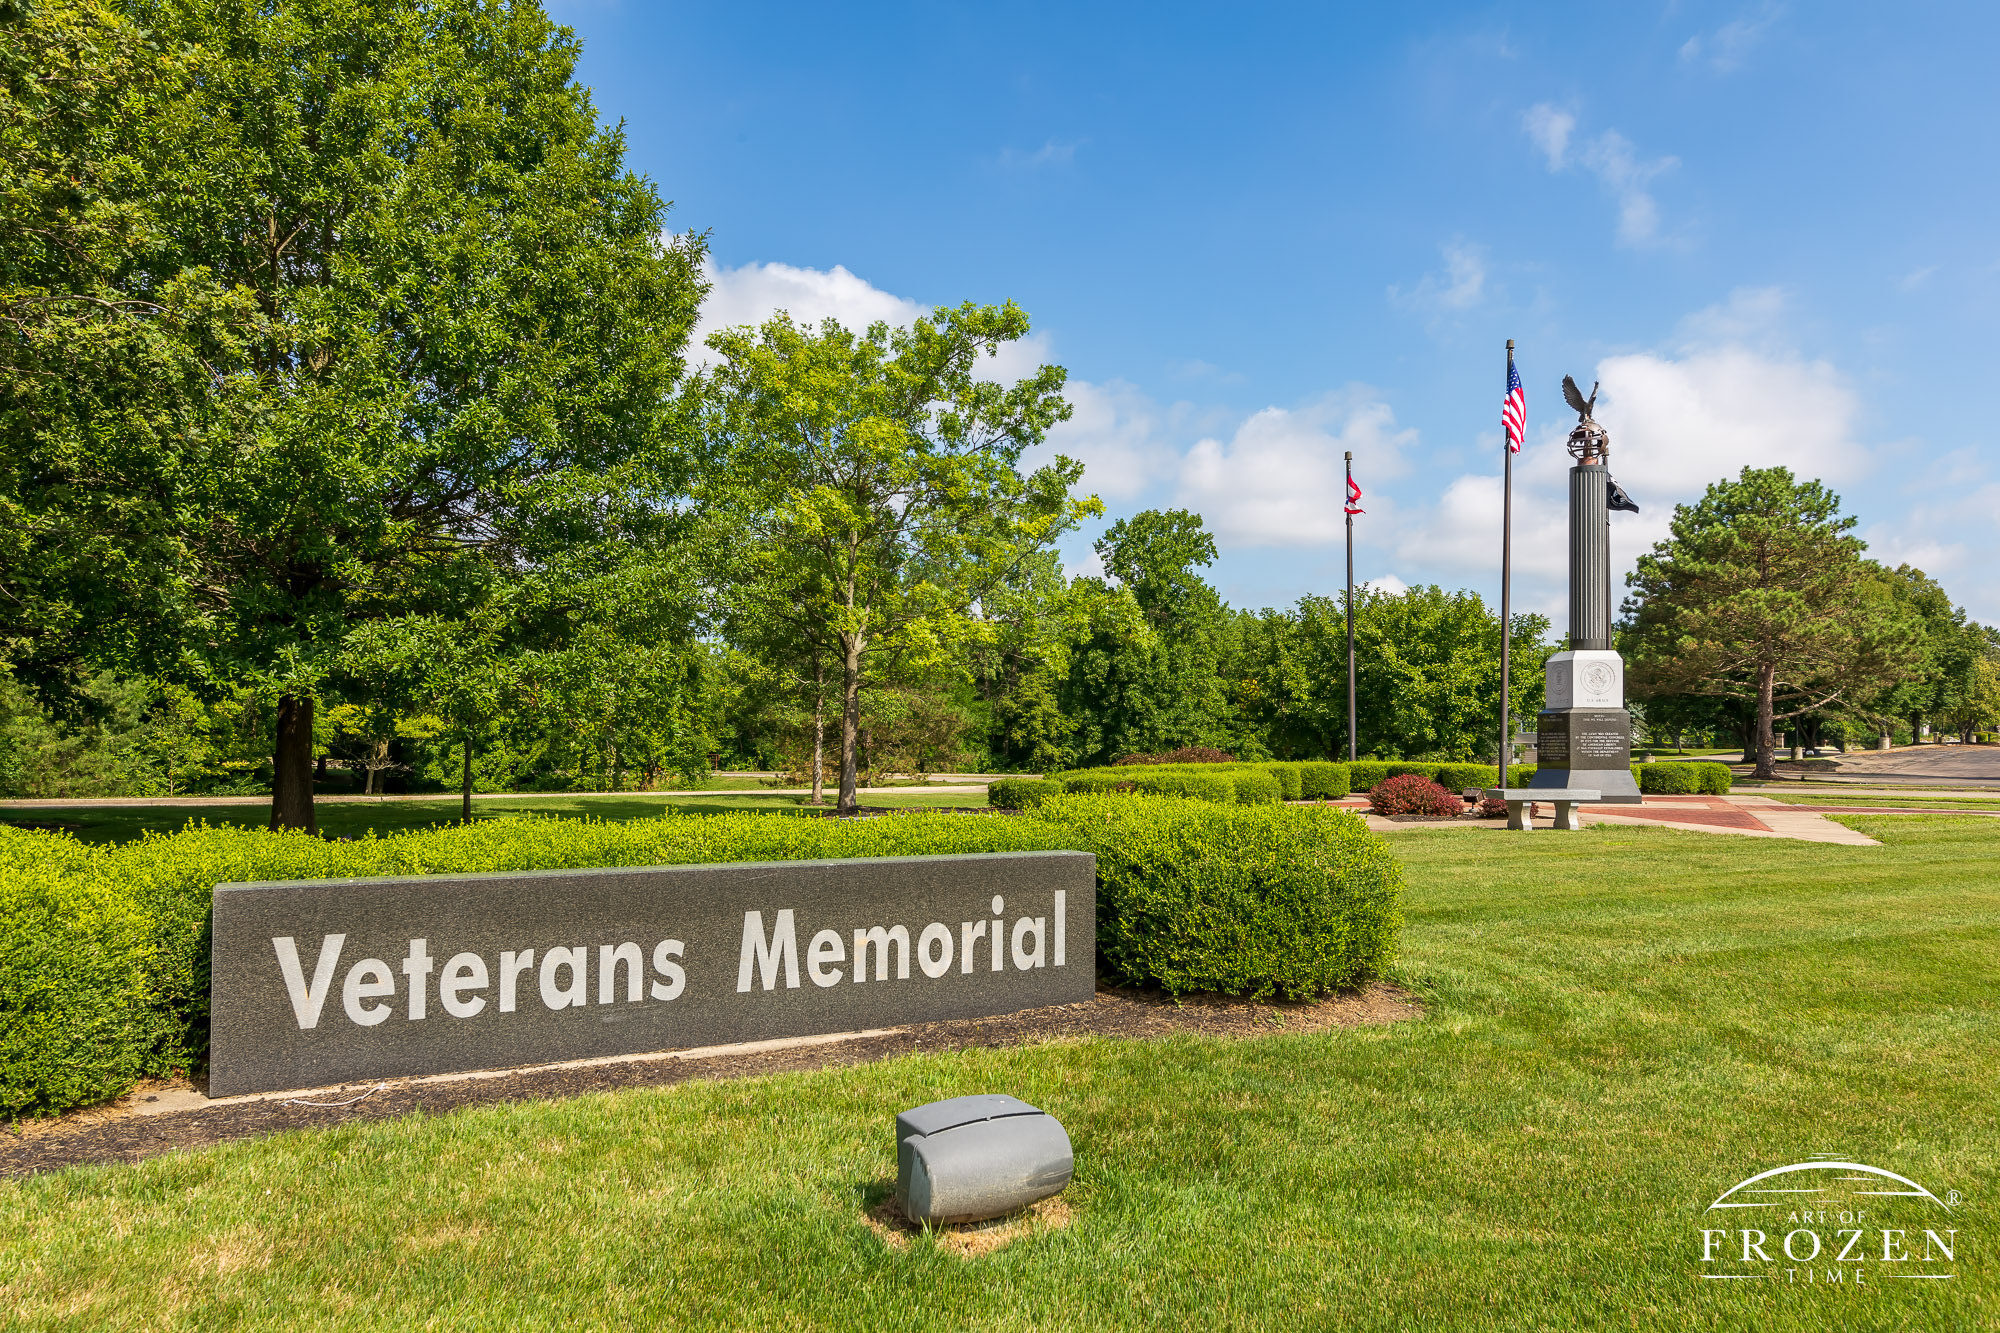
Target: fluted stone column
column 1589, row 559
column 1584, row 733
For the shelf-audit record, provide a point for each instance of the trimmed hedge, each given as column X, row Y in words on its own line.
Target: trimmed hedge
column 104, row 950
column 1665, row 779
column 1245, row 782
column 1020, row 793
column 1215, row 788
column 1323, row 781
column 1249, row 900
column 1254, row 785
column 1291, row 779
column 1455, row 778
column 75, row 1023
column 1364, row 775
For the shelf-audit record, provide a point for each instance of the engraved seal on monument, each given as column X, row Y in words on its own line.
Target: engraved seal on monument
column 1598, row 680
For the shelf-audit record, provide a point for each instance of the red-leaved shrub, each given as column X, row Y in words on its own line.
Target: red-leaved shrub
column 1413, row 794
column 1492, row 807
column 1187, row 754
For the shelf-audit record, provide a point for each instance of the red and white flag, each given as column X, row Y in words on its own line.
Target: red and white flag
column 1514, row 410
column 1354, row 497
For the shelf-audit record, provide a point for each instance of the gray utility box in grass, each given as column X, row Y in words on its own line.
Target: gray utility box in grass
column 970, row 1158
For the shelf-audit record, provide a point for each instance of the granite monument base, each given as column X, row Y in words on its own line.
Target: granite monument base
column 1586, row 747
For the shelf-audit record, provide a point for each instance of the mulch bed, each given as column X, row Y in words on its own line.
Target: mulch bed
column 116, row 1134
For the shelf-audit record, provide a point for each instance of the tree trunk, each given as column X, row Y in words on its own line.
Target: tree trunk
column 1767, row 679
column 465, row 784
column 850, row 720
column 819, row 734
column 292, row 767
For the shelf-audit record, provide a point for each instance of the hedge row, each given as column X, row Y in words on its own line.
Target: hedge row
column 104, row 951
column 1665, row 779
column 1227, row 783
column 1224, row 784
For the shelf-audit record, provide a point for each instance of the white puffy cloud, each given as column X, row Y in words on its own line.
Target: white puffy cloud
column 1460, row 287
column 1458, row 536
column 1280, row 479
column 1612, row 159
column 1725, row 50
column 1549, row 128
column 1114, row 430
column 1678, row 423
column 752, row 293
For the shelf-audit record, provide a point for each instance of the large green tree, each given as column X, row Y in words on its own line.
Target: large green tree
column 1150, row 672
column 101, row 368
column 437, row 328
column 1427, row 674
column 1760, row 592
column 877, row 475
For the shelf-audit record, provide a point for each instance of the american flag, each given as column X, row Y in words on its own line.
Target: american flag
column 1514, row 411
column 1354, row 497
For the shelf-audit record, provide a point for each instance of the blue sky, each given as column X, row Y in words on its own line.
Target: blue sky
column 1258, row 236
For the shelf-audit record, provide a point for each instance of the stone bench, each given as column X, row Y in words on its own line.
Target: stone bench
column 1566, row 800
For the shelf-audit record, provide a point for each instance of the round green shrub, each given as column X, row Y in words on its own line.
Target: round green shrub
column 1668, row 779
column 1253, row 900
column 1217, row 788
column 1458, row 777
column 1323, row 781
column 1254, row 785
column 1021, row 793
column 1714, row 779
column 1366, row 774
column 1291, row 784
column 74, row 1015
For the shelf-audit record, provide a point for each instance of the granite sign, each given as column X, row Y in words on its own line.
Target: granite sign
column 325, row 981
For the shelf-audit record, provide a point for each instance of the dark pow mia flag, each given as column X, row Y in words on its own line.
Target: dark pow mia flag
column 1615, row 497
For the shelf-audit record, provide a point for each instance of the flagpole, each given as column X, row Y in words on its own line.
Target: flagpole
column 1506, row 590
column 1348, row 505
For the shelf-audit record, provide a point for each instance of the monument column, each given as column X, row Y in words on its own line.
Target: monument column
column 1589, row 557
column 1584, row 734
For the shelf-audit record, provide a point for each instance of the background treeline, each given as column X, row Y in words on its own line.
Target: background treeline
column 1072, row 673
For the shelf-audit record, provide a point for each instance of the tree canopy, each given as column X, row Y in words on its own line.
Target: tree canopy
column 422, row 330
column 1761, row 592
column 874, row 480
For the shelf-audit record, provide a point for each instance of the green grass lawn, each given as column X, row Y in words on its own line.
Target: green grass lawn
column 1622, row 1023
column 351, row 819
